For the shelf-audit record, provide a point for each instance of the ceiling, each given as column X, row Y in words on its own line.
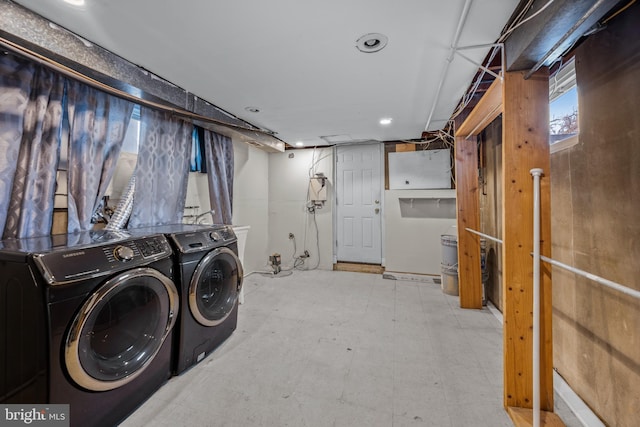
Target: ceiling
column 297, row 62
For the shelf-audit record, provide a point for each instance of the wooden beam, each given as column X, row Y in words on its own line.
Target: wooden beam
column 400, row 148
column 486, row 110
column 525, row 145
column 468, row 215
column 524, row 418
column 530, row 42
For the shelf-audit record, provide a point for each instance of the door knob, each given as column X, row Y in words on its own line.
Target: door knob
column 377, row 202
column 377, row 210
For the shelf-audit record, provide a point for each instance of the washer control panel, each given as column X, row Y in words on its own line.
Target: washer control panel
column 60, row 267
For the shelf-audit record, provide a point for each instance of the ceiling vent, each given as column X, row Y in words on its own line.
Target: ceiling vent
column 335, row 139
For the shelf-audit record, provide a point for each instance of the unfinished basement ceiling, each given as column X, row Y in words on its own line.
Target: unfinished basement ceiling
column 298, row 63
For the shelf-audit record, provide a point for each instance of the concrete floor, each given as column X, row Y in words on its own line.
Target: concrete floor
column 325, row 348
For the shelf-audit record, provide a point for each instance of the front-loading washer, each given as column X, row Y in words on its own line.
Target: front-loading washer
column 209, row 276
column 88, row 321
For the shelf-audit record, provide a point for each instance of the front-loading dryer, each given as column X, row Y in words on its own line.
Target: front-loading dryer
column 88, row 321
column 209, row 276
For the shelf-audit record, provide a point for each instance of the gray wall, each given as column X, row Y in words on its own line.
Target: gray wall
column 595, row 189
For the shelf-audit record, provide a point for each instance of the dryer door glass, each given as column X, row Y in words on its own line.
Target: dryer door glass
column 213, row 292
column 120, row 329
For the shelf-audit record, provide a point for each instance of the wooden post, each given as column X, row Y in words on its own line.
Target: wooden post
column 468, row 215
column 525, row 145
column 467, row 196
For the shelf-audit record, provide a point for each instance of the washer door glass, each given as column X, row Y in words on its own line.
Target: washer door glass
column 214, row 287
column 120, row 329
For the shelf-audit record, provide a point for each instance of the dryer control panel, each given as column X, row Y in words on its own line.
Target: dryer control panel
column 203, row 239
column 72, row 264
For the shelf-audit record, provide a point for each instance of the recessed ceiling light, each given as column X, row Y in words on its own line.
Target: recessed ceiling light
column 252, row 109
column 299, row 144
column 385, row 121
column 75, row 2
column 372, row 42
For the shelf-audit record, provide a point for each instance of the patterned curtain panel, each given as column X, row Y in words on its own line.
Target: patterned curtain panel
column 97, row 126
column 30, row 123
column 219, row 158
column 162, row 170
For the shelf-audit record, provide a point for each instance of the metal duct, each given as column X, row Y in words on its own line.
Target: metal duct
column 123, row 210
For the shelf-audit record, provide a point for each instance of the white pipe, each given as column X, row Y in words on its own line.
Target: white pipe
column 536, row 173
column 479, row 46
column 608, row 283
column 486, row 236
column 479, row 65
column 452, row 49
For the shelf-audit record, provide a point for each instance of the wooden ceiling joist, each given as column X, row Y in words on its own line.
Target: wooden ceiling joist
column 488, row 108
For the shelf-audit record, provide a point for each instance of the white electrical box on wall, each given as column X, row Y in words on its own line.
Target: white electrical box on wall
column 318, row 189
column 420, row 170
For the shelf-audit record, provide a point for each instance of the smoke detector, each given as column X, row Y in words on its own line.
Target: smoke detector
column 372, row 42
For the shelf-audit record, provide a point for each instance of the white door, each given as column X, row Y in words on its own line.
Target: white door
column 359, row 207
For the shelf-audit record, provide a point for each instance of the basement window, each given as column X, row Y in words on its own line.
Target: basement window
column 563, row 108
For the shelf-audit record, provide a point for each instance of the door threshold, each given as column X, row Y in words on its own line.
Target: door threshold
column 358, row 267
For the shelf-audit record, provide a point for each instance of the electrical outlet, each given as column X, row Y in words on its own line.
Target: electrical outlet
column 291, row 236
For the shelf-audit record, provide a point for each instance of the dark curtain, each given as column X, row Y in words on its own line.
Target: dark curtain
column 30, row 123
column 219, row 160
column 97, row 126
column 162, row 170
